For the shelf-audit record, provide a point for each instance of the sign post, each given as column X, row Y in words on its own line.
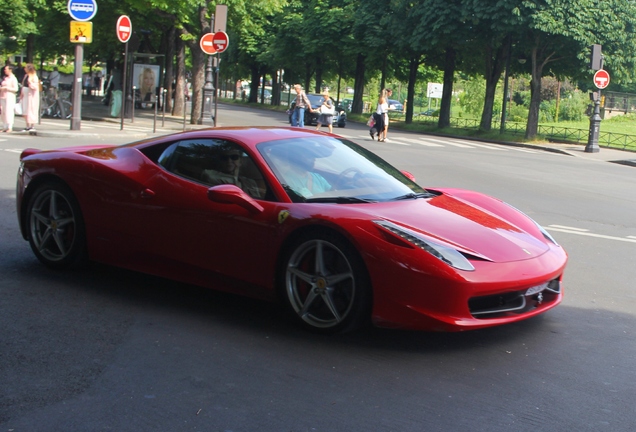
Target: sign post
column 213, row 43
column 220, row 21
column 220, row 41
column 124, row 31
column 601, row 80
column 207, row 46
column 79, row 10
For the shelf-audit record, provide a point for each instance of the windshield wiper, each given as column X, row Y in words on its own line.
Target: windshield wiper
column 340, row 200
column 413, row 195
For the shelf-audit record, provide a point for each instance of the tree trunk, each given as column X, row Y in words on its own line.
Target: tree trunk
column 255, row 78
column 410, row 93
column 383, row 75
column 308, row 72
column 30, row 48
column 358, row 86
column 318, row 75
column 168, row 79
column 494, row 67
column 447, row 93
column 180, row 79
column 198, row 80
column 535, row 98
column 275, row 89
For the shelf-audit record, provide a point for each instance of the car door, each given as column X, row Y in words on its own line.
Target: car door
column 191, row 233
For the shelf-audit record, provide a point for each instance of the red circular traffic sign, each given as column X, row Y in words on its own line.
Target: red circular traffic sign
column 206, row 44
column 601, row 79
column 124, row 28
column 220, row 41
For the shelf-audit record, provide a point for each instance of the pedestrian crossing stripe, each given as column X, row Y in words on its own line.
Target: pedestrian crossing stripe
column 425, row 142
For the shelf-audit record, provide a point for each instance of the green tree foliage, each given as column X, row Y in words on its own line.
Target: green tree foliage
column 316, row 42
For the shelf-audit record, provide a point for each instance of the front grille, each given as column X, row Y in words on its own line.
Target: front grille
column 514, row 303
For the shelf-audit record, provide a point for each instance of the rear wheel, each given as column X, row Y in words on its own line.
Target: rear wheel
column 55, row 226
column 325, row 284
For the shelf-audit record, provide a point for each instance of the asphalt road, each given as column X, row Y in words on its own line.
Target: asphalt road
column 104, row 349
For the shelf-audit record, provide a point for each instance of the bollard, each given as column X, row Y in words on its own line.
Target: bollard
column 184, row 112
column 163, row 108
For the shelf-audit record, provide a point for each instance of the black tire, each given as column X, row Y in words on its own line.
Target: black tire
column 324, row 284
column 56, row 230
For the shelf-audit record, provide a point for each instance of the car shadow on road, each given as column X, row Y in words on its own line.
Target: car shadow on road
column 143, row 293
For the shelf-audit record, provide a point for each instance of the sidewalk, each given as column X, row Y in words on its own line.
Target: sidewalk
column 97, row 123
column 578, row 150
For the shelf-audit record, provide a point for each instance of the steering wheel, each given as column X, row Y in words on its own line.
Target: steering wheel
column 344, row 179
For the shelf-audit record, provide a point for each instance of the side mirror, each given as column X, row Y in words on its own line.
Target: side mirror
column 230, row 194
column 408, row 175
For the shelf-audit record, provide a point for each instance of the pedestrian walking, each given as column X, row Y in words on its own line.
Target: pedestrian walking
column 302, row 104
column 380, row 116
column 98, row 83
column 8, row 92
column 30, row 97
column 327, row 111
column 388, row 92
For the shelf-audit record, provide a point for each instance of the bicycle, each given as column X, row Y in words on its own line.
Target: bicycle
column 52, row 105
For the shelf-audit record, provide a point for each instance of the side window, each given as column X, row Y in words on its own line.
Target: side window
column 187, row 159
column 213, row 162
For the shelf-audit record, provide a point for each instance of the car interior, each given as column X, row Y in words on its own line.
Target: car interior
column 193, row 159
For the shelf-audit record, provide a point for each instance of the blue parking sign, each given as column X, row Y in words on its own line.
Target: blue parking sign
column 82, row 10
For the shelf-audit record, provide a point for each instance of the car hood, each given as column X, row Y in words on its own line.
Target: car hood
column 469, row 227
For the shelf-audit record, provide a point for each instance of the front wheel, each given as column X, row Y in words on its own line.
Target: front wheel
column 325, row 284
column 55, row 226
column 63, row 109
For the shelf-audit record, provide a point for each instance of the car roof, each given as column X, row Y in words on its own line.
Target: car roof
column 250, row 136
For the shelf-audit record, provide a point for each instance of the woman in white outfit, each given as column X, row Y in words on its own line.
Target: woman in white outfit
column 8, row 91
column 30, row 98
column 383, row 111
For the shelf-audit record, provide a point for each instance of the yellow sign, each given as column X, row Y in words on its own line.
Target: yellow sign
column 81, row 31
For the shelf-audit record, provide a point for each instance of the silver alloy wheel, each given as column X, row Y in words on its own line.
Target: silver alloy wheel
column 52, row 225
column 320, row 284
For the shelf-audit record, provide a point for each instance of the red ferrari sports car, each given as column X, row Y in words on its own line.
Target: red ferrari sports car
column 337, row 234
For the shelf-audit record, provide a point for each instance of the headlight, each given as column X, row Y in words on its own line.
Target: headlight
column 546, row 234
column 448, row 255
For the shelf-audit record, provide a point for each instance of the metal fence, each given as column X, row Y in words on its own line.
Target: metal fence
column 556, row 133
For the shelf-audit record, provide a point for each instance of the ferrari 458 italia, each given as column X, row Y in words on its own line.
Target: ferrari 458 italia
column 312, row 220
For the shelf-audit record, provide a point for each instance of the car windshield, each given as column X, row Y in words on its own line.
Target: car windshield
column 327, row 169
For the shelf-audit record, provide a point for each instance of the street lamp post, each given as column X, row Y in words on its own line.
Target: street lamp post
column 595, row 125
column 596, row 63
column 208, row 88
column 595, row 121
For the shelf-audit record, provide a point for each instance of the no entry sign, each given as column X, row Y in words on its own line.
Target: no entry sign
column 601, row 79
column 206, row 43
column 124, row 28
column 220, row 41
